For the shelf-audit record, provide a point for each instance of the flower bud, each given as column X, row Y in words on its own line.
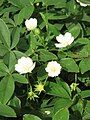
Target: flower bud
column 73, row 86
column 37, row 31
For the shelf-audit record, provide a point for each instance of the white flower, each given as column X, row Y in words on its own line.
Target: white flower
column 64, row 40
column 25, row 65
column 53, row 69
column 47, row 112
column 82, row 4
column 31, row 24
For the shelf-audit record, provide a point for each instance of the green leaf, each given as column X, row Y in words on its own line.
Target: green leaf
column 62, row 114
column 82, row 41
column 85, row 52
column 78, row 107
column 53, row 29
column 64, row 85
column 57, row 3
column 3, row 69
column 61, row 103
column 25, row 13
column 6, row 111
column 21, row 3
column 69, row 65
column 8, row 10
column 41, row 73
column 85, row 93
column 54, row 16
column 56, row 90
column 72, row 7
column 15, row 36
column 86, row 18
column 19, row 54
column 6, row 89
column 3, row 50
column 84, row 65
column 30, row 117
column 16, row 3
column 20, row 78
column 32, row 45
column 86, row 117
column 45, row 55
column 15, row 102
column 1, row 2
column 45, row 20
column 10, row 61
column 75, row 30
column 5, row 33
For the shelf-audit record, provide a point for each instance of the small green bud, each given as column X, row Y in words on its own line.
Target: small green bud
column 37, row 31
column 73, row 86
column 32, row 95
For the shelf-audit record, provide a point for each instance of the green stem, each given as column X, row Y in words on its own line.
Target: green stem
column 45, row 80
column 75, row 78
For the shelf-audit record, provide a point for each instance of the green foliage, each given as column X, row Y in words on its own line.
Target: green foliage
column 57, row 90
column 6, row 111
column 62, row 114
column 69, row 64
column 19, row 78
column 5, row 34
column 36, row 95
column 31, row 117
column 6, row 89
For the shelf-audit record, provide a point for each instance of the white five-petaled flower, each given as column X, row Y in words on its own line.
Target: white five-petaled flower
column 53, row 69
column 82, row 4
column 31, row 24
column 25, row 65
column 64, row 40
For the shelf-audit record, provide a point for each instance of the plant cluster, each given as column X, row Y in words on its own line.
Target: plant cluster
column 45, row 59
